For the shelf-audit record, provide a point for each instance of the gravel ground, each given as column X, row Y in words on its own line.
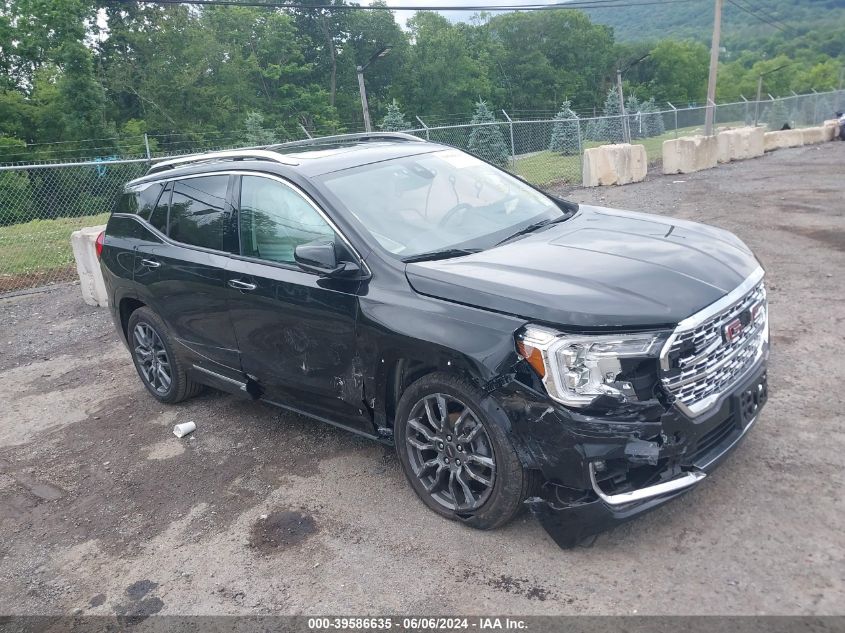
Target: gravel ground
column 103, row 510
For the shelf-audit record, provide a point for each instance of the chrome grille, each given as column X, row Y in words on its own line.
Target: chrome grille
column 700, row 362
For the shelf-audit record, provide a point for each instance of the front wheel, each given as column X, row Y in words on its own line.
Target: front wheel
column 458, row 461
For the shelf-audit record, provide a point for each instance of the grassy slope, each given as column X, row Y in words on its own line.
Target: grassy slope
column 40, row 245
column 547, row 168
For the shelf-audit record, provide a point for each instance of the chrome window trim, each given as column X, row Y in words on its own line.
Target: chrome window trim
column 700, row 317
column 234, row 172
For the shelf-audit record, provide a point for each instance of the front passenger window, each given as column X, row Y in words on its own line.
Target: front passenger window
column 274, row 219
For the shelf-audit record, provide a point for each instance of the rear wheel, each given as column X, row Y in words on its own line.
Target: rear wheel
column 460, row 463
column 160, row 369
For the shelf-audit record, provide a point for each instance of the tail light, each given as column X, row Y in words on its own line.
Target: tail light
column 99, row 243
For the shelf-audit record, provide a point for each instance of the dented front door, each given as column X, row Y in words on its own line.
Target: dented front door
column 295, row 330
column 296, row 335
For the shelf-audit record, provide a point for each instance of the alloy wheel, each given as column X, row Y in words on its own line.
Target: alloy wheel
column 152, row 358
column 450, row 452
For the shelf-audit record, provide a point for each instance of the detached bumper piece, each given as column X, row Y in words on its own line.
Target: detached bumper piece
column 677, row 484
column 571, row 517
column 570, row 524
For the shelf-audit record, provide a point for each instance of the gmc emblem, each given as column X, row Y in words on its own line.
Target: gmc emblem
column 732, row 330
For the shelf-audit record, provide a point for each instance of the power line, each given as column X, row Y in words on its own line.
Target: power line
column 753, row 13
column 767, row 14
column 576, row 4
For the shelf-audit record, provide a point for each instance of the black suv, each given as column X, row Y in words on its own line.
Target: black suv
column 517, row 349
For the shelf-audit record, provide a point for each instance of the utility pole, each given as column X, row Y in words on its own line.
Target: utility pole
column 714, row 67
column 626, row 135
column 626, row 130
column 760, row 89
column 368, row 127
column 384, row 50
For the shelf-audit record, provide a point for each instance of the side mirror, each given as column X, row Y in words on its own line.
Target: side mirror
column 321, row 258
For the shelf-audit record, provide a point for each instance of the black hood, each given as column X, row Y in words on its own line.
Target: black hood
column 601, row 268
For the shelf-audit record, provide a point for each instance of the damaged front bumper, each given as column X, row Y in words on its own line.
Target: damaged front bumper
column 625, row 478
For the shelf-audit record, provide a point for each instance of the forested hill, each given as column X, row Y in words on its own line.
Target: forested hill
column 694, row 18
column 82, row 78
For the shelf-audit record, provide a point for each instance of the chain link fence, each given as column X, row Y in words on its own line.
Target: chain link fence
column 42, row 204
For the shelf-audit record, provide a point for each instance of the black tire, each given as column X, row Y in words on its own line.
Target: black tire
column 180, row 386
column 512, row 483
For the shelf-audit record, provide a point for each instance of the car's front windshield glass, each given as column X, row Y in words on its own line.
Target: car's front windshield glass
column 438, row 201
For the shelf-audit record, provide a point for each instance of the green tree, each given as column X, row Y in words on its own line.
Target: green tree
column 652, row 118
column 634, row 116
column 324, row 29
column 256, row 133
column 565, row 132
column 394, row 120
column 367, row 32
column 676, row 71
column 82, row 98
column 486, row 140
column 536, row 58
column 14, row 185
column 441, row 75
column 609, row 127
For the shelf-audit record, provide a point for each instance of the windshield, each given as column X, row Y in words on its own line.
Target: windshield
column 437, row 202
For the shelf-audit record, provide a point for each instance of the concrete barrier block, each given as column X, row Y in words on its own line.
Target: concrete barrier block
column 617, row 164
column 724, row 143
column 771, row 141
column 756, row 141
column 813, row 135
column 690, row 153
column 84, row 247
column 793, row 138
column 740, row 143
column 783, row 138
column 831, row 129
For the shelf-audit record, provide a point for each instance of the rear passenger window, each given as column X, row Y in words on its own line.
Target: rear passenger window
column 198, row 211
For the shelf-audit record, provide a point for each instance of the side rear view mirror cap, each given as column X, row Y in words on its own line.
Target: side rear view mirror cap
column 321, row 258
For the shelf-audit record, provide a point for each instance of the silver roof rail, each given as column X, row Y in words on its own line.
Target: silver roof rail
column 358, row 136
column 270, row 152
column 232, row 154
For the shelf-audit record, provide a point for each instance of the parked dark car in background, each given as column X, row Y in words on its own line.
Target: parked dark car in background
column 517, row 349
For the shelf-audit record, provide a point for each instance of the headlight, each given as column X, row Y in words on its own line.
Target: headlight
column 577, row 368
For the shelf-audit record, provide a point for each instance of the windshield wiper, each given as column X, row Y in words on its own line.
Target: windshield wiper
column 445, row 253
column 536, row 226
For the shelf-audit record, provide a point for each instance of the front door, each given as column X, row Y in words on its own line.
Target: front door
column 295, row 330
column 182, row 278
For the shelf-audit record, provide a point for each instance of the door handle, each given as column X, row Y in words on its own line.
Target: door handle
column 150, row 263
column 237, row 284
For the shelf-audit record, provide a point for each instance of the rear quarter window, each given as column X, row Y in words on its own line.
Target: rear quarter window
column 158, row 218
column 140, row 202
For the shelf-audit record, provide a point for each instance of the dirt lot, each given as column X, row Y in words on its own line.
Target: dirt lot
column 102, row 509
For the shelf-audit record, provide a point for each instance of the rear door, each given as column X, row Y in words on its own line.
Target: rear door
column 179, row 270
column 295, row 329
column 123, row 234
